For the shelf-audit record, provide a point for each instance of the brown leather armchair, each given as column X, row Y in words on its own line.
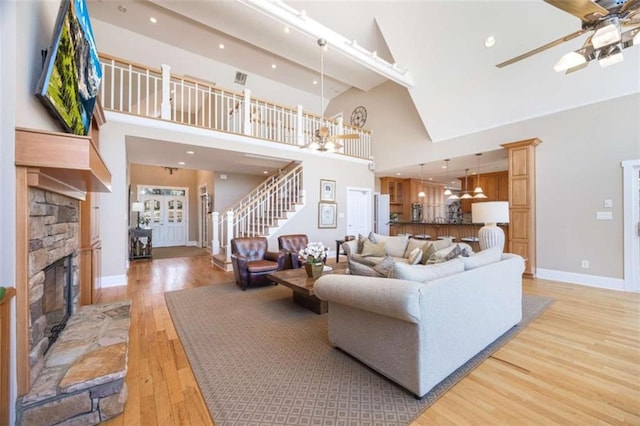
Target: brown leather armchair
column 291, row 246
column 252, row 262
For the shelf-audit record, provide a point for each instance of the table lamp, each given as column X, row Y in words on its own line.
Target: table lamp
column 137, row 207
column 490, row 213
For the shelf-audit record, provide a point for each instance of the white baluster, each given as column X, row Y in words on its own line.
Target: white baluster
column 165, row 113
column 215, row 243
column 229, row 234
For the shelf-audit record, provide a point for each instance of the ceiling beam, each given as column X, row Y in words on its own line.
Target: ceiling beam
column 286, row 15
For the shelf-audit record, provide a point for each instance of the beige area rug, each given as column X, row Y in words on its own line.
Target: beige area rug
column 260, row 359
column 178, row 251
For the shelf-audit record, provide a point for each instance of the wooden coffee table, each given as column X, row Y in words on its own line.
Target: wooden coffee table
column 303, row 286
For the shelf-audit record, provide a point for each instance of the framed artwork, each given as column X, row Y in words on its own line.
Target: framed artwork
column 327, row 190
column 327, row 215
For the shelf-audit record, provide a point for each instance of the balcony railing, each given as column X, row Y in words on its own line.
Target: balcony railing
column 136, row 89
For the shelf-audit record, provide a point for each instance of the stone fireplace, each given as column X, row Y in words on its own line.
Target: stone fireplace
column 53, row 265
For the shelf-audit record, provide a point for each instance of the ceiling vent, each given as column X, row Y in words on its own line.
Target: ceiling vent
column 241, row 78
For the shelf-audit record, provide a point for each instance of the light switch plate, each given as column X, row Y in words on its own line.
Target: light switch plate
column 604, row 216
column 608, row 204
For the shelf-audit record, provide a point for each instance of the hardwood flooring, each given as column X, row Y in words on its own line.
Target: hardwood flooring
column 578, row 363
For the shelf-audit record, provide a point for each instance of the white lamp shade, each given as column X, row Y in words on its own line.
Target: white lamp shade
column 490, row 212
column 137, row 207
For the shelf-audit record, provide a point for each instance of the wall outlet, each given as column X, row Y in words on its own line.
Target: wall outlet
column 585, row 264
column 607, row 215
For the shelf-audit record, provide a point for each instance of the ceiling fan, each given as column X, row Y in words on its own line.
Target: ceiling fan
column 605, row 18
column 323, row 139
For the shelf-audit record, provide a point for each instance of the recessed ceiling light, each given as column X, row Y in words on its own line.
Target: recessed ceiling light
column 489, row 41
column 153, row 20
column 190, row 152
column 122, row 9
column 274, row 66
column 444, row 167
column 265, row 172
column 182, row 163
column 221, row 46
column 430, row 179
column 287, row 29
column 315, row 81
column 398, row 174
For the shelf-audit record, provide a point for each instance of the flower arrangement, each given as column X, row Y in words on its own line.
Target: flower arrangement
column 314, row 252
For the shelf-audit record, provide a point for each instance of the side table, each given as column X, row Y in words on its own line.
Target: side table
column 140, row 245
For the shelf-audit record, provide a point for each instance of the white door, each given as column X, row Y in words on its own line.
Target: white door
column 166, row 209
column 359, row 211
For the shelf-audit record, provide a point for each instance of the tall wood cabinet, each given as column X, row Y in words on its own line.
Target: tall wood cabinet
column 398, row 191
column 522, row 197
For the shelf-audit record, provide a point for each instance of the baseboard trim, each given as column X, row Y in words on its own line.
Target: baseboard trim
column 582, row 279
column 193, row 244
column 113, row 281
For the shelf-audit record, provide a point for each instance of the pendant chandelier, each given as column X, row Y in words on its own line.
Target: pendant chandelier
column 478, row 192
column 447, row 191
column 466, row 195
column 421, row 193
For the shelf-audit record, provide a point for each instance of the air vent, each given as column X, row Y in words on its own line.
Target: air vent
column 241, row 78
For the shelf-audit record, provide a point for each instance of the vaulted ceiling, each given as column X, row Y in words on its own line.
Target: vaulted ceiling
column 457, row 91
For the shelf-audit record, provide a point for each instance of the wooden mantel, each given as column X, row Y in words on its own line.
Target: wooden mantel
column 61, row 162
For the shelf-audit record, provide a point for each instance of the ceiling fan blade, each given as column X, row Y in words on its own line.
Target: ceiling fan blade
column 630, row 4
column 586, row 10
column 348, row 136
column 542, row 48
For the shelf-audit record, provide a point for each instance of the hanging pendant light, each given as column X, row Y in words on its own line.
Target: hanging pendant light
column 447, row 191
column 478, row 192
column 421, row 193
column 466, row 195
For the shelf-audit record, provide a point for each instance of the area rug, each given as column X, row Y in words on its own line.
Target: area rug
column 178, row 251
column 261, row 359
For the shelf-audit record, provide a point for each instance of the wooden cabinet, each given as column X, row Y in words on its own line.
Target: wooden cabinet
column 396, row 188
column 494, row 185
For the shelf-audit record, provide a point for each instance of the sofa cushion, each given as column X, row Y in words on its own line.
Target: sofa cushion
column 412, row 244
column 374, row 249
column 396, row 245
column 384, row 267
column 415, row 256
column 482, row 258
column 424, row 273
column 428, row 250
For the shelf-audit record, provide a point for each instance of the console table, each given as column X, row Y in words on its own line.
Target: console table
column 140, row 246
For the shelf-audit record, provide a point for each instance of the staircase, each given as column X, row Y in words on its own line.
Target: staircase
column 259, row 213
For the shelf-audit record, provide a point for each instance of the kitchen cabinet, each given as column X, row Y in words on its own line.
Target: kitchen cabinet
column 494, row 185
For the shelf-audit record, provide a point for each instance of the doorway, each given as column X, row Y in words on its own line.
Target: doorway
column 166, row 209
column 631, row 191
column 359, row 211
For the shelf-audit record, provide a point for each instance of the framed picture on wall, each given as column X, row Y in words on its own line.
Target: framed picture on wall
column 327, row 190
column 327, row 215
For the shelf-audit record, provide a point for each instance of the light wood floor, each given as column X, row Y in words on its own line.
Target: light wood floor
column 578, row 363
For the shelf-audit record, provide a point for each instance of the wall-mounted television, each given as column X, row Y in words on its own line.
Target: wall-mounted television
column 71, row 75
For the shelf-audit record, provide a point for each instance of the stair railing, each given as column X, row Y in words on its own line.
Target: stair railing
column 259, row 211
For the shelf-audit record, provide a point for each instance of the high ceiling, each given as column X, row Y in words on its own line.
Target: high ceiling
column 439, row 42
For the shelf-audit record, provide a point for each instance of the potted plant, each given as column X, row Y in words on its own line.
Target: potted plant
column 314, row 255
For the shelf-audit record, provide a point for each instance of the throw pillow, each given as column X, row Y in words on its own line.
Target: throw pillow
column 441, row 244
column 385, row 267
column 457, row 251
column 415, row 256
column 374, row 249
column 412, row 244
column 428, row 250
column 361, row 240
column 482, row 258
column 424, row 273
column 357, row 268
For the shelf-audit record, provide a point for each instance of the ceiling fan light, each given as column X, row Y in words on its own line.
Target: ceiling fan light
column 606, row 35
column 569, row 60
column 612, row 55
column 314, row 145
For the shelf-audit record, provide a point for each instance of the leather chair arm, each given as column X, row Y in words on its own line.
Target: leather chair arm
column 274, row 256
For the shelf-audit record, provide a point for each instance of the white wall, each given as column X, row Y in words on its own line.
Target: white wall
column 229, row 190
column 578, row 167
column 7, row 175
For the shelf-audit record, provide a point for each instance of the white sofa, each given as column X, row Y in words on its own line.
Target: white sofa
column 416, row 333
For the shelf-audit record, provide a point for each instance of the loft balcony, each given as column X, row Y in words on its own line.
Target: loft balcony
column 144, row 91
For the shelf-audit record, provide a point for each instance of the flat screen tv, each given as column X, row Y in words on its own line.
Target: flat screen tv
column 71, row 75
